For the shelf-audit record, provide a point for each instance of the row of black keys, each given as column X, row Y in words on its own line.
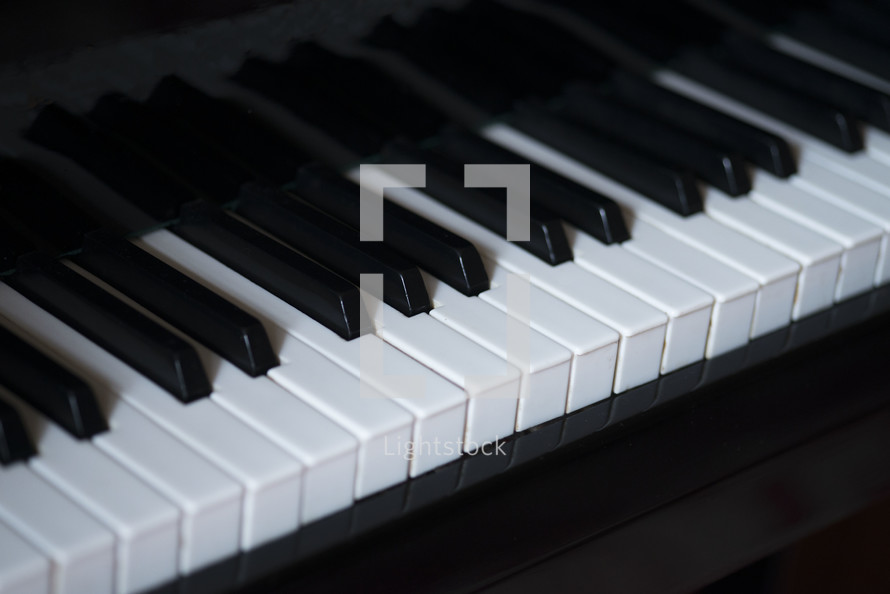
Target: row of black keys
column 245, row 152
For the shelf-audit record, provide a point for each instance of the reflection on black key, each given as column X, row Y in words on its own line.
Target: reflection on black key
column 14, row 443
column 822, row 121
column 132, row 175
column 42, row 208
column 588, row 210
column 762, row 148
column 306, row 285
column 725, row 170
column 242, row 135
column 335, row 245
column 449, row 257
column 49, row 387
column 184, row 303
column 486, row 206
column 145, row 345
column 675, row 189
column 864, row 102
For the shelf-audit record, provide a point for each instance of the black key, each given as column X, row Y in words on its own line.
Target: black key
column 486, row 206
column 13, row 244
column 184, row 303
column 861, row 19
column 588, row 210
column 762, row 148
column 139, row 341
column 49, row 387
column 675, row 189
column 134, row 176
column 862, row 101
column 245, row 137
column 311, row 288
column 447, row 256
column 189, row 157
column 15, row 446
column 822, row 121
column 335, row 245
column 725, row 170
column 42, row 208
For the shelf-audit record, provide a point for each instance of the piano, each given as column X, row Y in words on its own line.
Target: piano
column 674, row 368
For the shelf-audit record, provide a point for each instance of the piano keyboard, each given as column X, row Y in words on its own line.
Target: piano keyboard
column 190, row 370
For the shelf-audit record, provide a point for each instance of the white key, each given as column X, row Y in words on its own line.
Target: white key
column 440, row 412
column 818, row 256
column 23, row 569
column 642, row 327
column 145, row 525
column 734, row 293
column 594, row 346
column 860, row 239
column 688, row 308
column 852, row 197
column 543, row 364
column 776, row 274
column 81, row 549
column 376, row 422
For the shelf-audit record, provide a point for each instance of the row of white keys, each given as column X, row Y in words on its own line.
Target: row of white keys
column 734, row 293
column 688, row 308
column 144, row 524
column 594, row 346
column 326, row 452
column 861, row 167
column 440, row 411
column 544, row 365
column 23, row 568
column 860, row 239
column 208, row 499
column 776, row 274
column 261, row 470
column 80, row 549
column 641, row 326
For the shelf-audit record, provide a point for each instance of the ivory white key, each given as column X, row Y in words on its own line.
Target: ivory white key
column 734, row 293
column 23, row 569
column 852, row 197
column 688, row 308
column 776, row 274
column 440, row 413
column 378, row 423
column 642, row 327
column 818, row 256
column 860, row 239
column 80, row 548
column 145, row 525
column 594, row 345
column 543, row 364
column 269, row 477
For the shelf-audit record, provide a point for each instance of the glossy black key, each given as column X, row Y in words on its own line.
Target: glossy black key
column 145, row 345
column 244, row 136
column 823, row 121
column 12, row 245
column 723, row 169
column 486, row 206
column 335, row 245
column 133, row 175
column 182, row 302
column 15, row 446
column 674, row 188
column 41, row 207
column 764, row 149
column 447, row 256
column 864, row 102
column 190, row 157
column 311, row 288
column 586, row 209
column 49, row 387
